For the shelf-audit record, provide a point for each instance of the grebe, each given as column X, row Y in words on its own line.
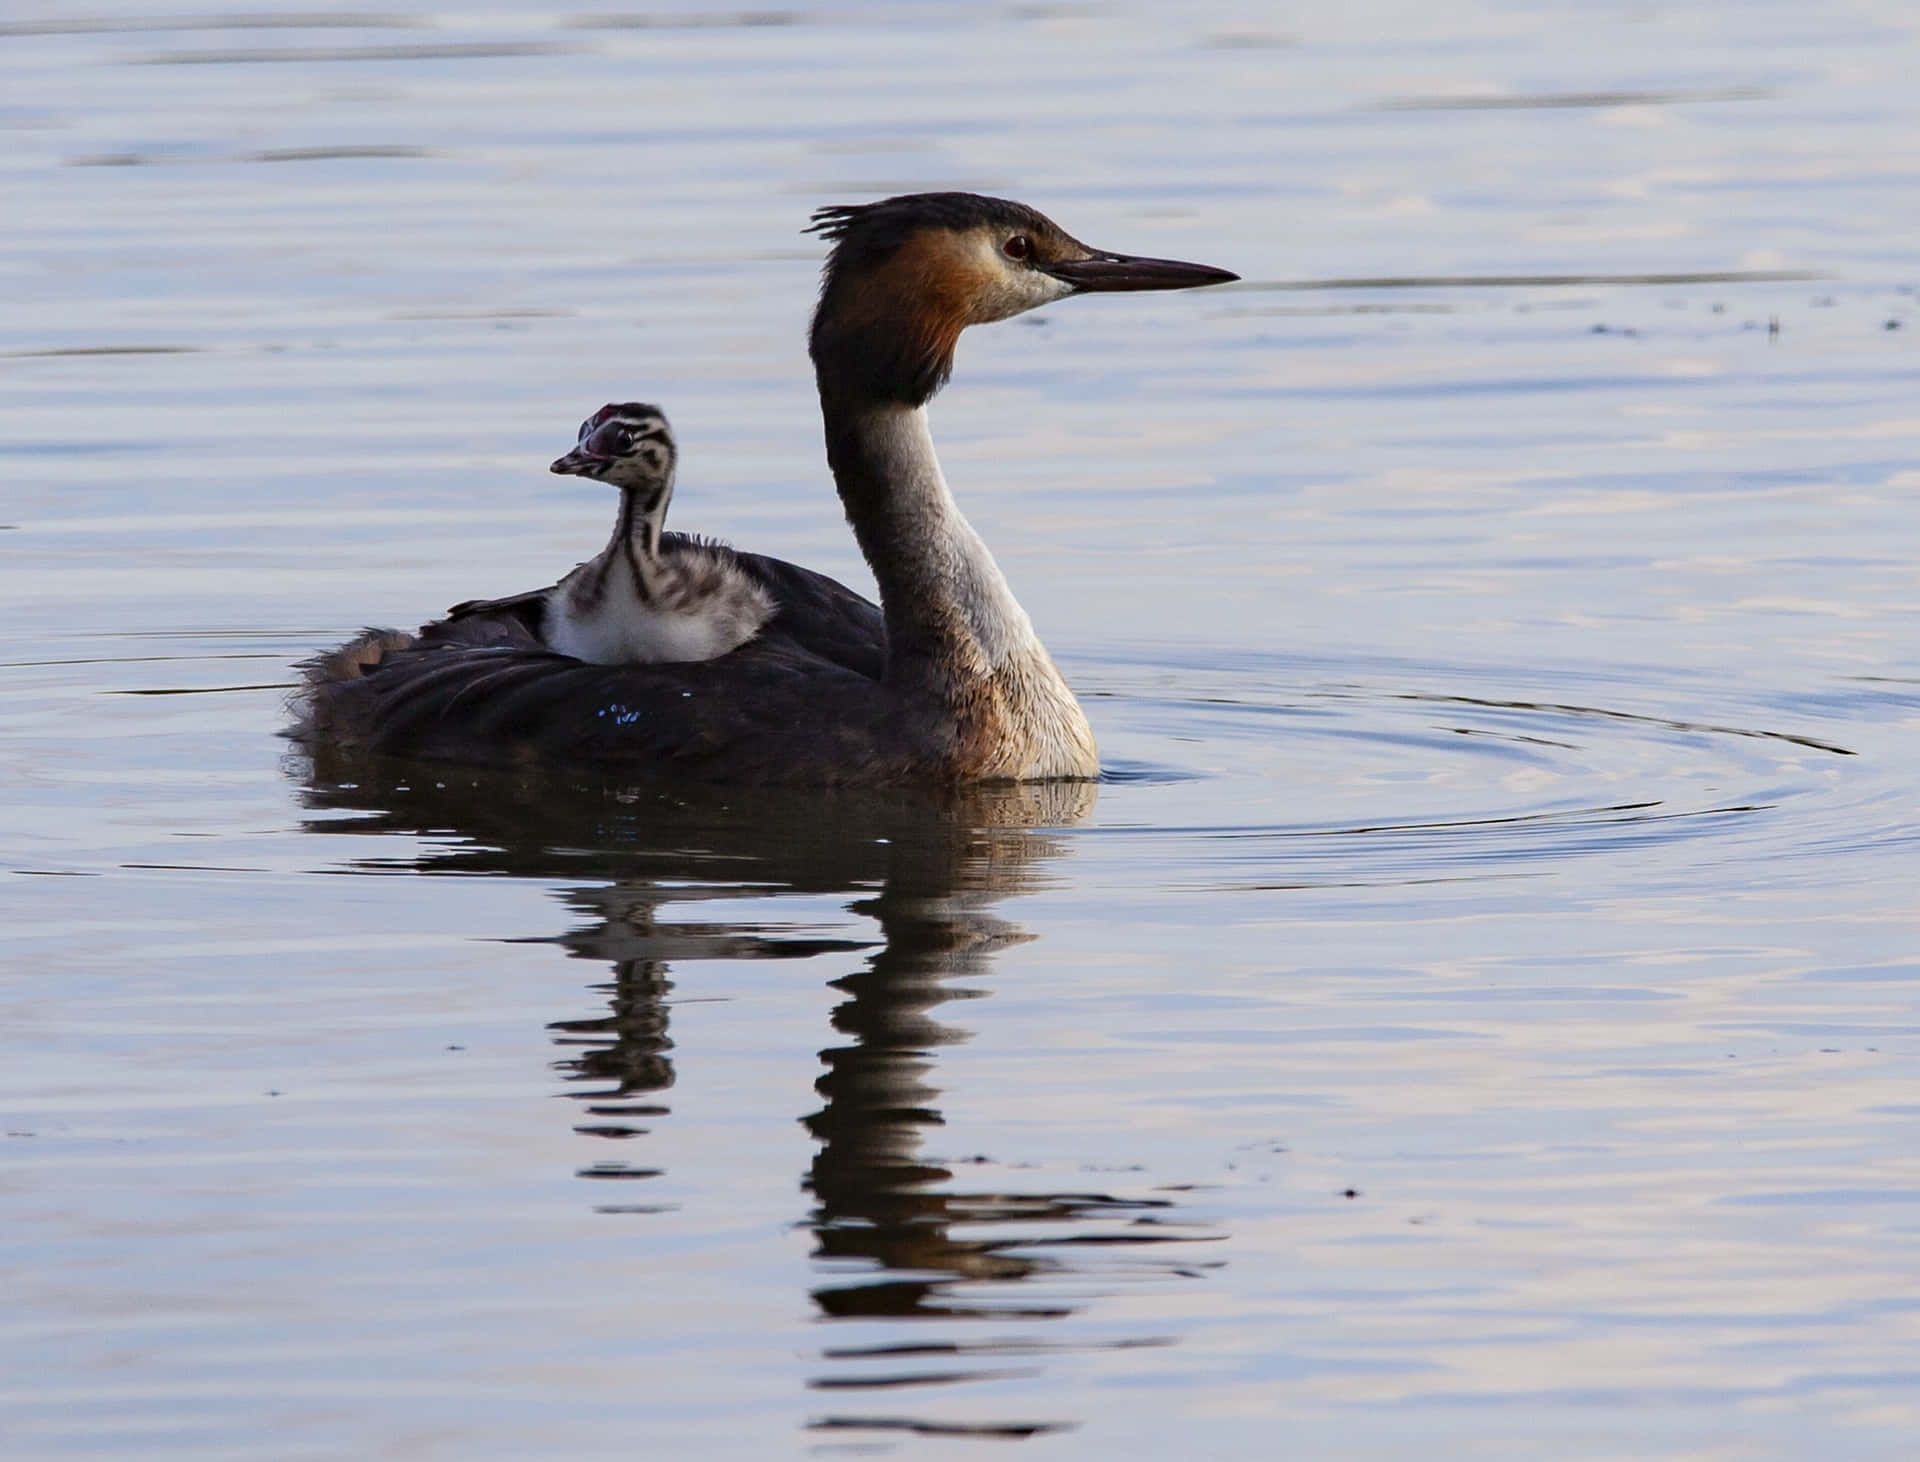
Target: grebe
column 945, row 683
column 643, row 600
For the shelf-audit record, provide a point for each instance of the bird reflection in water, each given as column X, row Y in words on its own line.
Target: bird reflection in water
column 896, row 1238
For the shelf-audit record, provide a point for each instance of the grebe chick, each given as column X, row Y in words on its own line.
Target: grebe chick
column 645, row 599
column 945, row 683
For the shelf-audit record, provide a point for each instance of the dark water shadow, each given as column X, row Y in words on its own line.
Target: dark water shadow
column 1576, row 100
column 85, row 25
column 899, row 1235
column 309, row 55
column 686, row 20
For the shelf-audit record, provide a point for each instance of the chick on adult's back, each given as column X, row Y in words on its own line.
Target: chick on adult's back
column 946, row 683
column 645, row 599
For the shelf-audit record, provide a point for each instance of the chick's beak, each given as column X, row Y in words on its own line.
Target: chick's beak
column 1116, row 272
column 580, row 462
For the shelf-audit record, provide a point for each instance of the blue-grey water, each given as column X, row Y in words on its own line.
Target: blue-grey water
column 1479, row 1012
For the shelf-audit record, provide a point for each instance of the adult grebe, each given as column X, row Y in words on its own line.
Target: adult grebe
column 643, row 600
column 948, row 683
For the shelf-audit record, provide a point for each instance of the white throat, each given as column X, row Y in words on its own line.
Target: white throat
column 938, row 562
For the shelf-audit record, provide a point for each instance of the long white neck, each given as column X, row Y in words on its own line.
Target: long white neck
column 945, row 599
column 957, row 639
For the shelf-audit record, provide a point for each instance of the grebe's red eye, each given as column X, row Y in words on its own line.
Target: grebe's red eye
column 1017, row 247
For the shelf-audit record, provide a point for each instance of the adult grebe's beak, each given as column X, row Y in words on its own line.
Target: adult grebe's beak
column 1114, row 272
column 580, row 462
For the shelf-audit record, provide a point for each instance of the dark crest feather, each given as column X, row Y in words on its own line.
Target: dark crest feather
column 637, row 411
column 886, row 223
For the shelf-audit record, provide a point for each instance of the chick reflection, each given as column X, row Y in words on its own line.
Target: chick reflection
column 619, row 1058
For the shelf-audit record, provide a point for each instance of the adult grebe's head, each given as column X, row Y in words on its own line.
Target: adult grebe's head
column 908, row 274
column 628, row 445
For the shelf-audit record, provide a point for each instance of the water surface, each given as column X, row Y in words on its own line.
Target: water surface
column 1476, row 1012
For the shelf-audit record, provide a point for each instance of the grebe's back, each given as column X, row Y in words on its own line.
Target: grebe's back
column 946, row 682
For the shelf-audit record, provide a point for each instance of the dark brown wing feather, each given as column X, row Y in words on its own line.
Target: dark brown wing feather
column 529, row 609
column 772, row 712
column 800, row 704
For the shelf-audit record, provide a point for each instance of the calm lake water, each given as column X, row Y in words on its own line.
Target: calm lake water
column 1478, row 1013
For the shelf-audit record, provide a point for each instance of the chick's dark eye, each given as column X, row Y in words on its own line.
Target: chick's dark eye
column 1017, row 247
